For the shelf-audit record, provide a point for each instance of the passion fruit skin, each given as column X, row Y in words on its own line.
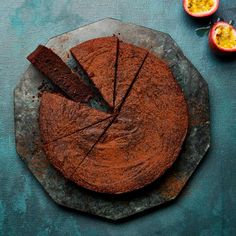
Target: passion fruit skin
column 212, row 43
column 203, row 14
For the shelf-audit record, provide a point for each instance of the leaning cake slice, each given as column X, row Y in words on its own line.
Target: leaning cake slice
column 53, row 67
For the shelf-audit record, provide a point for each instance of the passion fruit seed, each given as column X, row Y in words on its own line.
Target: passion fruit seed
column 197, row 6
column 225, row 37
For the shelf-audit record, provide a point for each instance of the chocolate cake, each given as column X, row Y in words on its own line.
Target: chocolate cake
column 145, row 139
column 133, row 147
column 52, row 66
column 98, row 58
column 129, row 59
column 59, row 117
column 67, row 153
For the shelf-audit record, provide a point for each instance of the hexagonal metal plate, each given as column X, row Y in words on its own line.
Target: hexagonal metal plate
column 167, row 188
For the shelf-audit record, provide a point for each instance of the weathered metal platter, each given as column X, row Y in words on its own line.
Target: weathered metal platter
column 167, row 188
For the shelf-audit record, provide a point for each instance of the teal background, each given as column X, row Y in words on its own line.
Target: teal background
column 207, row 206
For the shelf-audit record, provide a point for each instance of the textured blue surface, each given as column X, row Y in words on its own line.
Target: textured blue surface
column 207, row 206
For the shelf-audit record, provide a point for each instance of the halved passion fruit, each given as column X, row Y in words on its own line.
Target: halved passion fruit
column 201, row 8
column 222, row 38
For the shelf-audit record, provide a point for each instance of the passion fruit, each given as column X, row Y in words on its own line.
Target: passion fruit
column 201, row 8
column 222, row 38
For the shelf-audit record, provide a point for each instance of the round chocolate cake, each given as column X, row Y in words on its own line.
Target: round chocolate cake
column 133, row 146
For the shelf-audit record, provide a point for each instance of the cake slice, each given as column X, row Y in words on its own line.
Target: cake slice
column 98, row 57
column 52, row 66
column 129, row 60
column 67, row 153
column 60, row 117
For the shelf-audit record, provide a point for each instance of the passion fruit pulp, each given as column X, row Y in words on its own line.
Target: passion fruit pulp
column 200, row 8
column 222, row 38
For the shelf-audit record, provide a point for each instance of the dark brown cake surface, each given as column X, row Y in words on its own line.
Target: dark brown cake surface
column 98, row 58
column 52, row 66
column 59, row 117
column 146, row 138
column 67, row 153
column 129, row 60
column 129, row 150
